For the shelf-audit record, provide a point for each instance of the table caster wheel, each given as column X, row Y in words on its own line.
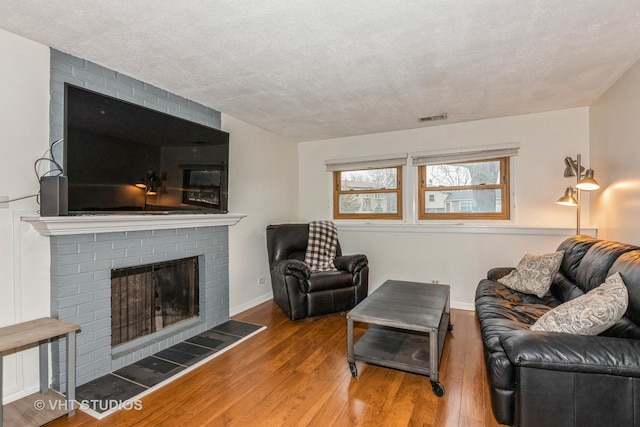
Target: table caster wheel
column 450, row 327
column 438, row 389
column 354, row 370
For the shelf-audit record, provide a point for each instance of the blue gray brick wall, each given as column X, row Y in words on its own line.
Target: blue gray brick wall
column 81, row 291
column 81, row 264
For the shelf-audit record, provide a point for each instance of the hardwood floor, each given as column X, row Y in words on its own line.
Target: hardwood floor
column 296, row 374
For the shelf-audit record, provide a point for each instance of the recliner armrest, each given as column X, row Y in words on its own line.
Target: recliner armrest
column 292, row 267
column 573, row 353
column 351, row 263
column 499, row 272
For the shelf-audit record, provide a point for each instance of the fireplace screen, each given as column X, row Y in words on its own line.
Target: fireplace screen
column 147, row 298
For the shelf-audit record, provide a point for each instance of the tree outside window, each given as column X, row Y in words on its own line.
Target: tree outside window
column 368, row 193
column 464, row 190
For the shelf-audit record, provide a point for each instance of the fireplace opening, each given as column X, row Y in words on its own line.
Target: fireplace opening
column 150, row 297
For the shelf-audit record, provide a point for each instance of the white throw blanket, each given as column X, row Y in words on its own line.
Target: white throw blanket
column 321, row 246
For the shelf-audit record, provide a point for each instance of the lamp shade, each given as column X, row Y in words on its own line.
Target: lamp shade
column 588, row 183
column 568, row 199
column 570, row 167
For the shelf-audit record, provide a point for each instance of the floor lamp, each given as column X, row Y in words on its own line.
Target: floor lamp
column 584, row 182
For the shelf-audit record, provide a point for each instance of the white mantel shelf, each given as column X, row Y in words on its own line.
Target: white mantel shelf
column 89, row 224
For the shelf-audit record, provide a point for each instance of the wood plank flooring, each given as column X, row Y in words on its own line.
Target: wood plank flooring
column 296, row 374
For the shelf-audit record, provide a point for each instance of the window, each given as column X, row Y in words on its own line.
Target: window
column 373, row 193
column 476, row 189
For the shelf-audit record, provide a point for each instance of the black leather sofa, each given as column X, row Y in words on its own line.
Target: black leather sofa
column 559, row 379
column 301, row 293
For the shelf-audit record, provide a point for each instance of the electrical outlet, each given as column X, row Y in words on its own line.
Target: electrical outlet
column 261, row 280
column 3, row 202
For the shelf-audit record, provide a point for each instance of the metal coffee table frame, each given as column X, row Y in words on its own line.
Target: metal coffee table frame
column 408, row 324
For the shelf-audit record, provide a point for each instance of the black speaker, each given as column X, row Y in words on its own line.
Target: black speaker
column 53, row 196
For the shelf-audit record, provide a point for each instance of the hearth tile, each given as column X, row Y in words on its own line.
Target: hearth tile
column 149, row 371
column 212, row 343
column 233, row 327
column 102, row 393
column 185, row 353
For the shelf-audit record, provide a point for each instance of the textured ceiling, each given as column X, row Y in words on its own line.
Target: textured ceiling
column 311, row 69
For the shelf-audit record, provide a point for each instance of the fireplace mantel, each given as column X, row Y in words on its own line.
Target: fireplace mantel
column 89, row 224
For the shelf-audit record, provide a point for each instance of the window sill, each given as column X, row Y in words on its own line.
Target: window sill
column 461, row 228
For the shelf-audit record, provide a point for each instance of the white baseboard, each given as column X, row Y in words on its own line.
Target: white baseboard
column 250, row 304
column 463, row 305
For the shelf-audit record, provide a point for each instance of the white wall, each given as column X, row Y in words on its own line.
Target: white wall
column 24, row 254
column 615, row 153
column 455, row 254
column 263, row 184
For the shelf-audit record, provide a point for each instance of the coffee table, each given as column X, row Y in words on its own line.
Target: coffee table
column 408, row 325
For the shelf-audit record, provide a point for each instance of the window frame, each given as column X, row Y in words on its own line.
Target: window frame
column 504, row 186
column 337, row 192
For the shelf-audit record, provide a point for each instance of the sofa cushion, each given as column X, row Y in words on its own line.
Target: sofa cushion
column 574, row 247
column 628, row 265
column 534, row 273
column 589, row 314
column 496, row 301
column 595, row 265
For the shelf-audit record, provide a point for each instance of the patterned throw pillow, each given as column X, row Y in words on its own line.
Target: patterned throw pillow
column 534, row 273
column 589, row 314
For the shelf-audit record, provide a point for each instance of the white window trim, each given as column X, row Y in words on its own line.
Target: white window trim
column 442, row 156
column 366, row 162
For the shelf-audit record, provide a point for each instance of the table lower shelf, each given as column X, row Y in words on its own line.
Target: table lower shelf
column 394, row 348
column 36, row 409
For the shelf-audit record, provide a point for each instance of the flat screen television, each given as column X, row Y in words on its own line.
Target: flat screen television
column 122, row 158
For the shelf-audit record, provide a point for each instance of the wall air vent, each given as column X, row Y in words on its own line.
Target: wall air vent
column 442, row 116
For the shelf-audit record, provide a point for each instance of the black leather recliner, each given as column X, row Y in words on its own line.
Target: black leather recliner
column 301, row 293
column 558, row 379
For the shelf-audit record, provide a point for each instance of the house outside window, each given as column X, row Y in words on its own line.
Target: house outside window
column 368, row 187
column 374, row 193
column 464, row 190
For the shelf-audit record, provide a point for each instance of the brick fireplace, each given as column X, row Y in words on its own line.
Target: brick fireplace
column 83, row 254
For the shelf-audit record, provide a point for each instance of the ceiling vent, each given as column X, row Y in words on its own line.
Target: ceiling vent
column 442, row 116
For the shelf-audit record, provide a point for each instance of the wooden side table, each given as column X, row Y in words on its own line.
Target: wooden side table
column 47, row 405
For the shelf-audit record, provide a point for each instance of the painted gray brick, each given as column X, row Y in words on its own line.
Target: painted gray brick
column 95, row 246
column 148, row 259
column 94, row 266
column 130, row 81
column 112, row 254
column 65, row 57
column 88, row 76
column 67, row 312
column 163, row 233
column 139, row 234
column 178, row 99
column 64, row 270
column 157, row 249
column 184, row 246
column 110, row 236
column 61, row 67
column 99, row 70
column 75, row 301
column 160, row 93
column 71, row 259
column 93, row 307
column 119, row 87
column 153, row 241
column 145, row 96
column 169, row 106
column 75, row 238
column 137, row 252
